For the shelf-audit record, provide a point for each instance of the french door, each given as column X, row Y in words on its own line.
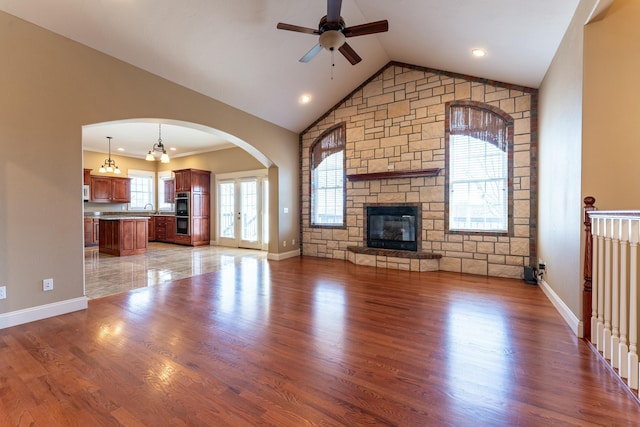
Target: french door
column 243, row 212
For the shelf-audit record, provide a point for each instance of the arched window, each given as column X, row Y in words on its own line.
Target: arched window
column 479, row 142
column 327, row 178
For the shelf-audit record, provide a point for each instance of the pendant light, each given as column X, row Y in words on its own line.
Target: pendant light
column 109, row 165
column 164, row 158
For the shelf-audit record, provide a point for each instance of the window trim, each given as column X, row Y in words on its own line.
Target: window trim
column 509, row 121
column 343, row 127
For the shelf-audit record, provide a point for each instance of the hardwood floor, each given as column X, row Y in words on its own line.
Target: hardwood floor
column 310, row 342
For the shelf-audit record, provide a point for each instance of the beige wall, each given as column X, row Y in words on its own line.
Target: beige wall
column 397, row 122
column 51, row 87
column 611, row 108
column 560, row 165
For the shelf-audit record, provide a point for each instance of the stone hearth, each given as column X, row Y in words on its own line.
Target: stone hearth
column 394, row 259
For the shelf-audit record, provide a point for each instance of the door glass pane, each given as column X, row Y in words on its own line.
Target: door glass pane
column 265, row 210
column 249, row 209
column 227, row 223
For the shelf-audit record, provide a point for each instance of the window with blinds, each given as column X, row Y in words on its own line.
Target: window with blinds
column 478, row 170
column 328, row 178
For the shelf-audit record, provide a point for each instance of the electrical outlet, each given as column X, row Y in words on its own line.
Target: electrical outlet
column 3, row 292
column 542, row 266
column 284, row 243
column 47, row 285
column 293, row 242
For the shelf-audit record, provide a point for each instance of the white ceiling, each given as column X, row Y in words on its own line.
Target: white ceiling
column 232, row 51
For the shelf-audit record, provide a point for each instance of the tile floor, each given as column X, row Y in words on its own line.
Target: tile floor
column 163, row 262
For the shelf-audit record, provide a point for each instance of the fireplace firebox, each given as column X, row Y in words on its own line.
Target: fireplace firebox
column 393, row 227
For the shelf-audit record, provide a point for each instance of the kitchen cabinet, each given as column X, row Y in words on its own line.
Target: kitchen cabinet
column 183, row 180
column 165, row 228
column 152, row 229
column 170, row 190
column 124, row 236
column 87, row 176
column 198, row 183
column 109, row 189
column 91, row 231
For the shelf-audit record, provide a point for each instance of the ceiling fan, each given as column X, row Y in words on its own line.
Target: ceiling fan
column 332, row 32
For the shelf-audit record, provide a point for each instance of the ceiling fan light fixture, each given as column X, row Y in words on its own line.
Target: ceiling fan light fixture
column 332, row 39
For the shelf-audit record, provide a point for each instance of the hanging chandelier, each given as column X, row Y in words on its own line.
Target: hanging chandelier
column 109, row 165
column 159, row 147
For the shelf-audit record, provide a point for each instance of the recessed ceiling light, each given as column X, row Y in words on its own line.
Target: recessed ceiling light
column 305, row 99
column 173, row 148
column 120, row 149
column 478, row 52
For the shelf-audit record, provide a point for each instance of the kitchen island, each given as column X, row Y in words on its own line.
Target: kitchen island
column 123, row 235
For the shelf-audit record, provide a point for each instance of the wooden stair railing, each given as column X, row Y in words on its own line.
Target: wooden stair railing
column 611, row 288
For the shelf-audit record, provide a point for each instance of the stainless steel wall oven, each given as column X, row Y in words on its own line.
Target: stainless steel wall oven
column 183, row 213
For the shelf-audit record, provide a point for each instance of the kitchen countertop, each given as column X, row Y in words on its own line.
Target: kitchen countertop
column 105, row 215
column 120, row 217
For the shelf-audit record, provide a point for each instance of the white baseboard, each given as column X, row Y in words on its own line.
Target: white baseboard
column 40, row 312
column 284, row 255
column 574, row 323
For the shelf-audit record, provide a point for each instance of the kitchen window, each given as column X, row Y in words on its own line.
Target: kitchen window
column 162, row 205
column 142, row 190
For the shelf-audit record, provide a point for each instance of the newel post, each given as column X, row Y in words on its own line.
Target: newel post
column 588, row 263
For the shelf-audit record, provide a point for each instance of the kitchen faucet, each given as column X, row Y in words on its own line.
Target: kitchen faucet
column 148, row 204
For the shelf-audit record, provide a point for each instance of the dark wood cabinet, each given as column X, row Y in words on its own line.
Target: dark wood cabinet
column 123, row 236
column 183, row 180
column 121, row 190
column 198, row 183
column 91, row 231
column 87, row 176
column 165, row 229
column 170, row 190
column 152, row 229
column 109, row 189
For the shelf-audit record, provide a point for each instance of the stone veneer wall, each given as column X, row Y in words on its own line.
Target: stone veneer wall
column 396, row 121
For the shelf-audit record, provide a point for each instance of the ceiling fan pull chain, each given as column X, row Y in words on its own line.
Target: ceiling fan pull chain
column 333, row 63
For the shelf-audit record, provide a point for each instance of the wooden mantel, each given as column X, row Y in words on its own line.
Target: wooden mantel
column 394, row 174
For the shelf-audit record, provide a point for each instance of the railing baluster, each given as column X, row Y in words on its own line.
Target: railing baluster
column 606, row 332
column 633, row 307
column 600, row 285
column 623, row 347
column 615, row 292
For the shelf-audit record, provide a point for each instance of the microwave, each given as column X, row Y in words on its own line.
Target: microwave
column 86, row 194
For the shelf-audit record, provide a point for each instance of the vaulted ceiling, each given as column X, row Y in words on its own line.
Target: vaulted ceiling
column 232, row 51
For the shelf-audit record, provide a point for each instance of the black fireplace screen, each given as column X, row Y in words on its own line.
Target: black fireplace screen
column 392, row 227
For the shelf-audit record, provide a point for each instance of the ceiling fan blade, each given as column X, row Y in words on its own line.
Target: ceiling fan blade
column 333, row 10
column 313, row 52
column 350, row 54
column 296, row 28
column 364, row 29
